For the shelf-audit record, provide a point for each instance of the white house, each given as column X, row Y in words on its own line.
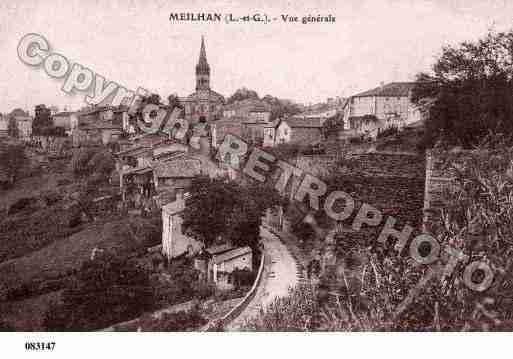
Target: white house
column 385, row 106
column 224, row 264
column 174, row 241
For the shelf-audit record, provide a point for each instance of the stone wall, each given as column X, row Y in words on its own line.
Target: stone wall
column 375, row 164
column 439, row 177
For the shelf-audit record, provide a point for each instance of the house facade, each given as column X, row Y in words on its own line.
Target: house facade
column 101, row 125
column 303, row 131
column 4, row 125
column 386, row 106
column 66, row 120
column 224, row 264
column 174, row 242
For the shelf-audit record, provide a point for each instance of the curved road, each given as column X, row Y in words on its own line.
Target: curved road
column 279, row 274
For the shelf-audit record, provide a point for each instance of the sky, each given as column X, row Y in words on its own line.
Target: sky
column 136, row 45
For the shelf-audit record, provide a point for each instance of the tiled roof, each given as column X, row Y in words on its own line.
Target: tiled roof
column 393, row 89
column 137, row 170
column 62, row 114
column 231, row 254
column 219, row 248
column 304, row 122
column 183, row 167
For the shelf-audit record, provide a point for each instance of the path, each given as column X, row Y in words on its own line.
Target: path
column 280, row 273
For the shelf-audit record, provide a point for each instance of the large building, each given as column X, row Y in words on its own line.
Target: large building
column 385, row 106
column 204, row 103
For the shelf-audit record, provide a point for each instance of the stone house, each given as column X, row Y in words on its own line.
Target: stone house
column 218, row 262
column 174, row 242
column 22, row 120
column 100, row 125
column 389, row 104
column 252, row 109
column 66, row 120
column 270, row 133
column 221, row 128
column 4, row 125
column 175, row 175
column 224, row 264
column 302, row 131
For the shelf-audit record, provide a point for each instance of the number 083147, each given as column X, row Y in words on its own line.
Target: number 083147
column 40, row 346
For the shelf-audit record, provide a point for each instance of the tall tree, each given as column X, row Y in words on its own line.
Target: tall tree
column 242, row 94
column 173, row 101
column 224, row 208
column 468, row 92
column 42, row 123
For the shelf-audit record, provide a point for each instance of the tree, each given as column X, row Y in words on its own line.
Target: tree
column 153, row 99
column 224, row 208
column 468, row 93
column 42, row 123
column 12, row 160
column 280, row 107
column 173, row 101
column 242, row 94
column 12, row 127
column 107, row 290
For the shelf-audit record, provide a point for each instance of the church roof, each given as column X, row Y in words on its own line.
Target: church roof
column 202, row 66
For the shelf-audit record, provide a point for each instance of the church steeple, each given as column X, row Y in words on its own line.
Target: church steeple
column 202, row 69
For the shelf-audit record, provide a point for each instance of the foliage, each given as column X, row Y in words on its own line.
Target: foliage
column 173, row 322
column 478, row 220
column 12, row 161
column 184, row 286
column 152, row 99
column 279, row 107
column 107, row 290
column 43, row 124
column 174, row 101
column 223, row 208
column 242, row 94
column 243, row 277
column 468, row 93
column 285, row 151
column 387, row 132
column 92, row 161
column 382, row 292
column 299, row 311
column 24, row 204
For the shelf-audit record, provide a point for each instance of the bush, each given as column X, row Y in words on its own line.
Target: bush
column 389, row 131
column 24, row 204
column 173, row 322
column 243, row 277
column 108, row 290
column 357, row 140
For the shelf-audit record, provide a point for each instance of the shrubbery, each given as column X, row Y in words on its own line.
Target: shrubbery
column 107, row 290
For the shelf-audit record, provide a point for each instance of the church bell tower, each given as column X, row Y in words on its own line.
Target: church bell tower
column 202, row 69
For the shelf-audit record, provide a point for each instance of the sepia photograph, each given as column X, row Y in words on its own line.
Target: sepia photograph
column 341, row 171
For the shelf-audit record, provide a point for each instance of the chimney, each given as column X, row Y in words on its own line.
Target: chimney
column 382, row 83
